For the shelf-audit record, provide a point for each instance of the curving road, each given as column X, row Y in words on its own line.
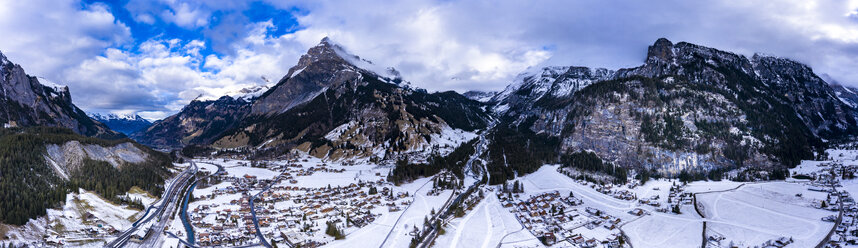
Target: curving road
column 259, row 235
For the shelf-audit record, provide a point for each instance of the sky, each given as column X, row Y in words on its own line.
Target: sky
column 153, row 57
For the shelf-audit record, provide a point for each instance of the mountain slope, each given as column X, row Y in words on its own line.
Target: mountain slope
column 39, row 166
column 688, row 108
column 334, row 104
column 200, row 122
column 123, row 124
column 323, row 66
column 480, row 96
column 27, row 102
column 846, row 94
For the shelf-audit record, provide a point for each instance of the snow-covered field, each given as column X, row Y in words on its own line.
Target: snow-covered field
column 747, row 214
column 756, row 213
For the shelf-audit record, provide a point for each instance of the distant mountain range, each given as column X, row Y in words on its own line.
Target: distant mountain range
column 125, row 124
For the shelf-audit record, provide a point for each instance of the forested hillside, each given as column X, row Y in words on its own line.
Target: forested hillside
column 29, row 185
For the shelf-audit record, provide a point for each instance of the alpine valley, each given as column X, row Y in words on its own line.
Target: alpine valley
column 695, row 147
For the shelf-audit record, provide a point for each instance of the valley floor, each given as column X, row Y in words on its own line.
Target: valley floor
column 296, row 199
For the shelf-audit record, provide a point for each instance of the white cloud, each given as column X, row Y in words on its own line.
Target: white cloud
column 47, row 40
column 483, row 45
column 458, row 45
column 167, row 74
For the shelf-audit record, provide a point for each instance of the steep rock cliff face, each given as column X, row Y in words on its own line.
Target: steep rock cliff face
column 69, row 156
column 688, row 107
column 27, row 102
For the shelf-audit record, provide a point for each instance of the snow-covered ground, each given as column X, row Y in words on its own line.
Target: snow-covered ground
column 744, row 213
column 756, row 213
column 143, row 196
column 665, row 230
column 485, row 226
column 82, row 213
column 239, row 170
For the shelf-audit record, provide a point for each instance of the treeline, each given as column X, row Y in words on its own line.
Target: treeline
column 29, row 186
column 111, row 182
column 453, row 162
column 747, row 175
column 518, row 152
column 589, row 161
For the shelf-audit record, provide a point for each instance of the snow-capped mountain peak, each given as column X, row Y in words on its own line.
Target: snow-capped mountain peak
column 250, row 93
column 549, row 81
column 328, row 49
column 3, row 60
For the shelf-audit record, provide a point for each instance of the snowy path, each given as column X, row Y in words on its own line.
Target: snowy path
column 486, row 226
column 459, row 231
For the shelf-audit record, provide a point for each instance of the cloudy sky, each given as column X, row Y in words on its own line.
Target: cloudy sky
column 153, row 57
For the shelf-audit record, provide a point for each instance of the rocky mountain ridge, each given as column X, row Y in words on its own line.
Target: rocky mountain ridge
column 688, row 108
column 27, row 102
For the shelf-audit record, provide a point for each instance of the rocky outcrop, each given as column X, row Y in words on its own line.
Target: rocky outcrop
column 68, row 157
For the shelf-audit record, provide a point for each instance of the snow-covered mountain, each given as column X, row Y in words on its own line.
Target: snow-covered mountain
column 334, row 104
column 126, row 124
column 31, row 101
column 331, row 104
column 323, row 66
column 688, row 108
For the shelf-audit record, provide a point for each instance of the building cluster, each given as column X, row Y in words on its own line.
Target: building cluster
column 675, row 198
column 288, row 213
column 615, row 191
column 556, row 218
column 839, row 201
